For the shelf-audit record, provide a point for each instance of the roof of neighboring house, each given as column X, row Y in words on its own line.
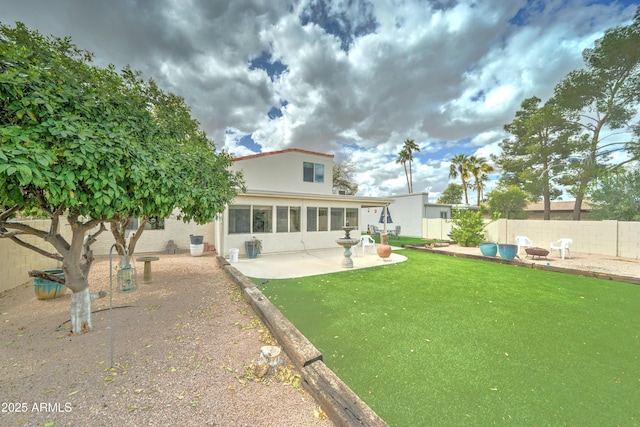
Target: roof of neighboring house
column 287, row 150
column 558, row 206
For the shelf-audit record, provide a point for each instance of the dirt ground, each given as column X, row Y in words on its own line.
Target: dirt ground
column 184, row 351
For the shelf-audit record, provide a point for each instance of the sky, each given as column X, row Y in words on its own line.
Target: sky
column 353, row 78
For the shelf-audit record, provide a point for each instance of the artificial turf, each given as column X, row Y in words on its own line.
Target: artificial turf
column 440, row 340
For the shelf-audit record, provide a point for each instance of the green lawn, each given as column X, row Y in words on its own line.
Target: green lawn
column 440, row 340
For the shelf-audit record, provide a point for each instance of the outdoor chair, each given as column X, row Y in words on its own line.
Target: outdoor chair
column 523, row 242
column 395, row 232
column 562, row 246
column 366, row 240
column 375, row 230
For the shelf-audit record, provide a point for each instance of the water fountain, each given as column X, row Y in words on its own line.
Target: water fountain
column 347, row 242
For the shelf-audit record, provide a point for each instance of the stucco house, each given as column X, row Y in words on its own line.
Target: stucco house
column 408, row 212
column 289, row 204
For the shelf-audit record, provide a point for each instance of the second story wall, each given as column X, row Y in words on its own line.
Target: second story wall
column 292, row 171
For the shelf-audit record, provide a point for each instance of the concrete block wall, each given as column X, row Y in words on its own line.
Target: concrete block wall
column 16, row 261
column 629, row 239
column 156, row 240
column 610, row 238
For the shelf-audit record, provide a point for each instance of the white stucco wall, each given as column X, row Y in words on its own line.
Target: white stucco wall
column 283, row 171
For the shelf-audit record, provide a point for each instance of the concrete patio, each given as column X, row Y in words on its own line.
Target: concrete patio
column 310, row 263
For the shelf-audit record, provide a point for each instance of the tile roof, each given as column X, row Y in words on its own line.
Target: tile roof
column 558, row 206
column 286, row 150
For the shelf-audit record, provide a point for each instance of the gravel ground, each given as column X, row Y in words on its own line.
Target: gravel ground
column 185, row 348
column 580, row 261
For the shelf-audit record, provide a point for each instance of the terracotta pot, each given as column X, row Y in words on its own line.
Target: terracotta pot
column 383, row 249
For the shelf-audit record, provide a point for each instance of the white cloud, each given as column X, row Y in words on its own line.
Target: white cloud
column 436, row 72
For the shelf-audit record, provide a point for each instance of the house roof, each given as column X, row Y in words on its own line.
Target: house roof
column 364, row 201
column 287, row 150
column 558, row 206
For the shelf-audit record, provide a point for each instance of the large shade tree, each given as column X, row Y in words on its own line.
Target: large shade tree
column 87, row 145
column 536, row 156
column 603, row 98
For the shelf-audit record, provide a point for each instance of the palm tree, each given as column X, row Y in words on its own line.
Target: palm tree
column 460, row 167
column 403, row 157
column 410, row 147
column 479, row 168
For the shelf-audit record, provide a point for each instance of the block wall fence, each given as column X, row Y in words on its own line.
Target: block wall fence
column 16, row 261
column 610, row 238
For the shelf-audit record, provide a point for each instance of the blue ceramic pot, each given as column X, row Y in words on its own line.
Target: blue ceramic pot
column 489, row 249
column 508, row 251
column 46, row 289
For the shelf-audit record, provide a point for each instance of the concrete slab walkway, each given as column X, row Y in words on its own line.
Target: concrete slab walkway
column 310, row 263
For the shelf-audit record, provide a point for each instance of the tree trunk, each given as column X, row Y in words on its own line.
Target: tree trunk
column 81, row 311
column 577, row 207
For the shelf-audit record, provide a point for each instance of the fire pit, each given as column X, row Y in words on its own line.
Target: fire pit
column 536, row 252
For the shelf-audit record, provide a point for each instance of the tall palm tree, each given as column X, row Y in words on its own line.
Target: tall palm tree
column 410, row 147
column 479, row 168
column 403, row 157
column 460, row 167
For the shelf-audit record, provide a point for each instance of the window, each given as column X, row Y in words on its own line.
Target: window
column 323, row 219
column 294, row 219
column 239, row 219
column 312, row 219
column 288, row 219
column 444, row 214
column 312, row 172
column 262, row 219
column 282, row 219
column 337, row 218
column 154, row 223
column 352, row 216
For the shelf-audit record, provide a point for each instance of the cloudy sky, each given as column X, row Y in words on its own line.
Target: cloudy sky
column 354, row 78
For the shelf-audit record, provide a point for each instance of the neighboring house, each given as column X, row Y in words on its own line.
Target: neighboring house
column 407, row 211
column 560, row 210
column 289, row 204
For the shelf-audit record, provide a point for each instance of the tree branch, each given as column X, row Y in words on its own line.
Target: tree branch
column 47, row 276
column 34, row 248
column 6, row 214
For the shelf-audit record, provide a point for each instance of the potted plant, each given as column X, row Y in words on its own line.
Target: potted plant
column 253, row 247
column 488, row 248
column 507, row 250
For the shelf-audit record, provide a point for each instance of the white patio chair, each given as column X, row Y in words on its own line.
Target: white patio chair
column 562, row 246
column 365, row 241
column 523, row 242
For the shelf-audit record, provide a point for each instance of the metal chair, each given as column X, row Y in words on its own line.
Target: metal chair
column 562, row 246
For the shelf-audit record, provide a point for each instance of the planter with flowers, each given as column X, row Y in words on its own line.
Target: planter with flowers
column 253, row 247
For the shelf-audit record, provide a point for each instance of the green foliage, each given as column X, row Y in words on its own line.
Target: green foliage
column 469, row 226
column 452, row 195
column 97, row 142
column 601, row 97
column 534, row 158
column 96, row 145
column 616, row 195
column 508, row 202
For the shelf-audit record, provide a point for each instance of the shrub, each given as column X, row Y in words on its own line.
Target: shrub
column 469, row 227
